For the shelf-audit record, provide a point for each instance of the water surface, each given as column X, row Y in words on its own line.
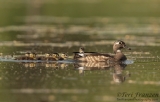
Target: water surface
column 57, row 26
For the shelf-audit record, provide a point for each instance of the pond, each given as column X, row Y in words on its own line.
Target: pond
column 63, row 27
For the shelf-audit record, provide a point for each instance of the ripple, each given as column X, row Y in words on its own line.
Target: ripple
column 60, row 91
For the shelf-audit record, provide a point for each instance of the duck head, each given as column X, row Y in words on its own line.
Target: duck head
column 63, row 55
column 27, row 54
column 81, row 50
column 46, row 54
column 32, row 55
column 55, row 55
column 118, row 45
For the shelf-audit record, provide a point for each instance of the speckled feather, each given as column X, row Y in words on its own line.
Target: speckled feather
column 93, row 57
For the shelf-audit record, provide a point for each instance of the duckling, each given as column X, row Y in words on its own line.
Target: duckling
column 32, row 56
column 27, row 56
column 53, row 57
column 81, row 51
column 43, row 57
column 81, row 54
column 63, row 56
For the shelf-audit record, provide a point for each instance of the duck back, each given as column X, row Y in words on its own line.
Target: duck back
column 93, row 57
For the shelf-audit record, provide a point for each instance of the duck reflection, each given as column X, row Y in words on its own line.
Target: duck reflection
column 45, row 64
column 118, row 73
column 92, row 65
column 118, row 68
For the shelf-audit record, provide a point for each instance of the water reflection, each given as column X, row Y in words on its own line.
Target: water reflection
column 55, row 65
column 118, row 75
column 117, row 69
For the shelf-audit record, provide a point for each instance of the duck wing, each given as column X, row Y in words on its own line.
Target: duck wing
column 93, row 57
column 78, row 54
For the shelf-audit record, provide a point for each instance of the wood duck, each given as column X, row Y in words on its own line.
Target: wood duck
column 27, row 56
column 42, row 57
column 53, row 57
column 63, row 56
column 49, row 57
column 102, row 57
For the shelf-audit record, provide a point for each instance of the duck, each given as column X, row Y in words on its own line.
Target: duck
column 118, row 56
column 27, row 56
column 53, row 57
column 42, row 57
column 49, row 57
column 63, row 56
column 81, row 51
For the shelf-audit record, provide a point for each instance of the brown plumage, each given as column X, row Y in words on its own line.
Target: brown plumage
column 102, row 57
column 93, row 57
column 48, row 57
column 27, row 56
column 63, row 56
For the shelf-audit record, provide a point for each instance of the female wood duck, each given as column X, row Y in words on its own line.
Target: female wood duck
column 102, row 57
column 27, row 56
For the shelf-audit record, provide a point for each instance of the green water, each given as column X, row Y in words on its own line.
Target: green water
column 63, row 26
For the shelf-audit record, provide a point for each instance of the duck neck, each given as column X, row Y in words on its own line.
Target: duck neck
column 115, row 49
column 118, row 51
column 119, row 56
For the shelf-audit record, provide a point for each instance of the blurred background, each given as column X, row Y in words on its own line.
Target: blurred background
column 46, row 26
column 59, row 22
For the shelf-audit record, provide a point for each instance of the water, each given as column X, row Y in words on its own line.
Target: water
column 64, row 26
column 53, row 81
